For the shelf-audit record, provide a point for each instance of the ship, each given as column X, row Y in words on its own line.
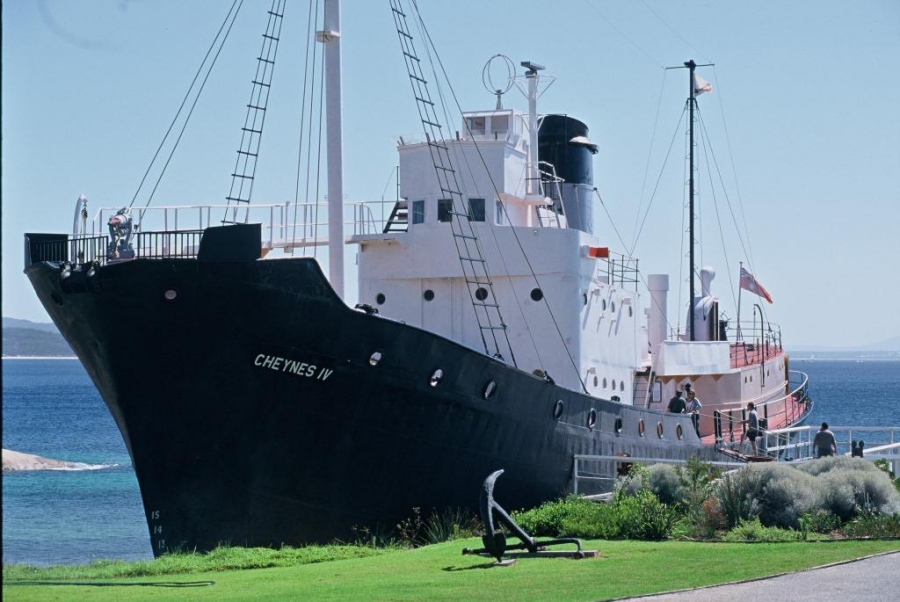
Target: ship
column 494, row 330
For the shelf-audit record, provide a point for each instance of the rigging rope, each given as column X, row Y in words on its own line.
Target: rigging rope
column 232, row 15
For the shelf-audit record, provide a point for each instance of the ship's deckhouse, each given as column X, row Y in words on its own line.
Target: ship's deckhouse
column 571, row 311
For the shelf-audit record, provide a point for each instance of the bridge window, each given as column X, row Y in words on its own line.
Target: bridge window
column 475, row 125
column 445, row 210
column 418, row 212
column 476, row 210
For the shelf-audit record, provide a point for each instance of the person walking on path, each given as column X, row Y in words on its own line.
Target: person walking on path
column 676, row 404
column 693, row 406
column 824, row 442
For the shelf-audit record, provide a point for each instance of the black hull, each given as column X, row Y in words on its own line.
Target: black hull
column 254, row 417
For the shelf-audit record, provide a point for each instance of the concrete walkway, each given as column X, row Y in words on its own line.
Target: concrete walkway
column 873, row 579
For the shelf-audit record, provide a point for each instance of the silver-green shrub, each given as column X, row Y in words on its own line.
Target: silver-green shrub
column 780, row 494
column 785, row 495
column 664, row 481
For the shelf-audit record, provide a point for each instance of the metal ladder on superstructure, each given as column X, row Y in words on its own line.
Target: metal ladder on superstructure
column 471, row 257
column 251, row 132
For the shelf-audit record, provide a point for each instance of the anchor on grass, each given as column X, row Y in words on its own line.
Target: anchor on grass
column 494, row 539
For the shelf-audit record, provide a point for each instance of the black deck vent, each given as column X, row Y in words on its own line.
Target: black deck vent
column 238, row 242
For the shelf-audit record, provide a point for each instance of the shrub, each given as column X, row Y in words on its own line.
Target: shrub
column 712, row 518
column 753, row 530
column 737, row 495
column 644, row 517
column 847, row 490
column 547, row 519
column 820, row 521
column 450, row 524
column 870, row 524
column 443, row 525
column 785, row 495
column 886, row 467
column 664, row 480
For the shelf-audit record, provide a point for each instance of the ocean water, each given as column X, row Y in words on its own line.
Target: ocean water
column 50, row 408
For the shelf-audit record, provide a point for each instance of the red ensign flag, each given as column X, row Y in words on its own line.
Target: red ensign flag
column 749, row 283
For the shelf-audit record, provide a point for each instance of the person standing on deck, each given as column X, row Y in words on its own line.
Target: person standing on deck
column 824, row 442
column 676, row 404
column 752, row 423
column 693, row 406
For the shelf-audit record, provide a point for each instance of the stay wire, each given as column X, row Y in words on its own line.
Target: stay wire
column 308, row 63
column 637, row 215
column 187, row 95
column 191, row 111
column 656, row 187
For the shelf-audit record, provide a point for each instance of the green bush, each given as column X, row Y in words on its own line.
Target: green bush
column 644, row 517
column 870, row 524
column 753, row 530
column 547, row 520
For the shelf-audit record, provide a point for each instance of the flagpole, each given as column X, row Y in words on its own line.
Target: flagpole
column 740, row 336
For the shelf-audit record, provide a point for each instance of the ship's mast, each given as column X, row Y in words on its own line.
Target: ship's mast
column 330, row 37
column 692, row 102
column 692, row 105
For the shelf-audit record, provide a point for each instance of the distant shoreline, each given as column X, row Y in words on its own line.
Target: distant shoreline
column 39, row 357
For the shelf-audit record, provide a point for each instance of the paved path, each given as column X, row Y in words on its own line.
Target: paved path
column 874, row 579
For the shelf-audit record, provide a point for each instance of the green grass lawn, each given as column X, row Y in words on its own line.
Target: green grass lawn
column 441, row 572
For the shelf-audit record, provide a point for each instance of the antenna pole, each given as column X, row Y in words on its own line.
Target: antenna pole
column 531, row 76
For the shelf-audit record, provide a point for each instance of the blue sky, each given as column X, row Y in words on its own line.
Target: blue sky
column 804, row 111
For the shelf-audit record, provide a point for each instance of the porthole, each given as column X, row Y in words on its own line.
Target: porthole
column 612, row 306
column 170, row 295
column 537, row 294
column 618, row 426
column 621, row 385
column 592, row 419
column 436, row 377
column 428, row 295
column 490, row 389
column 751, row 378
column 641, row 428
column 375, row 358
column 380, row 298
column 604, row 382
column 630, row 311
column 481, row 293
column 613, row 383
column 558, row 409
column 679, row 431
column 603, row 305
column 595, row 381
column 659, row 430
